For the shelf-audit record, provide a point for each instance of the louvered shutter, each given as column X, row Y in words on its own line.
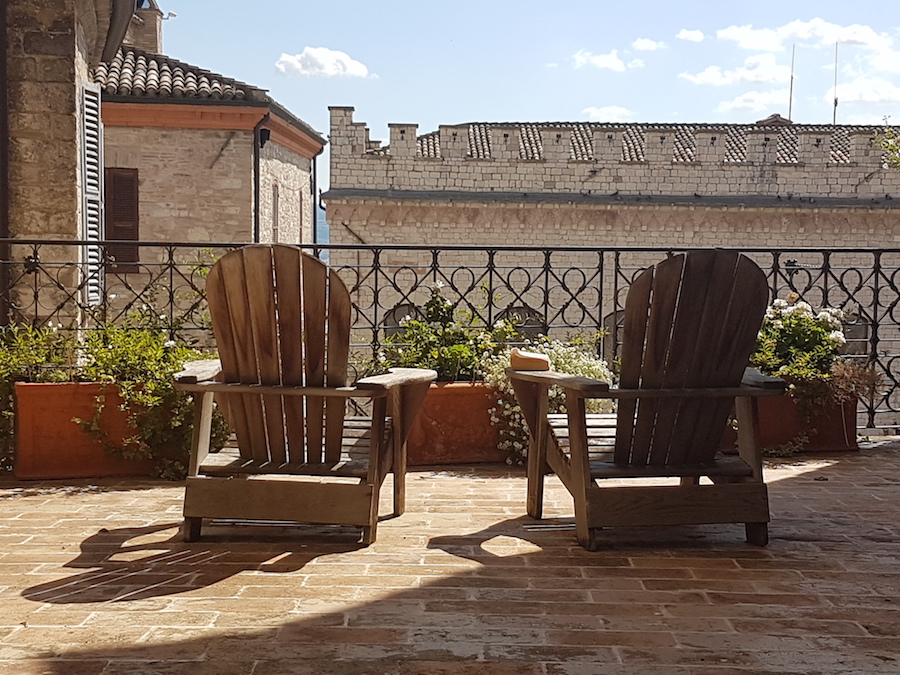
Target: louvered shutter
column 122, row 219
column 92, row 192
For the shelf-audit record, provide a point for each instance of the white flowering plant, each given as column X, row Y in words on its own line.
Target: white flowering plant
column 803, row 346
column 577, row 356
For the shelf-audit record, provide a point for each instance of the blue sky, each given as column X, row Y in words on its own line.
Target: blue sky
column 432, row 63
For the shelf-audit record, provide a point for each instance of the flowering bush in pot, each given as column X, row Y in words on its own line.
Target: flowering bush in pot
column 440, row 340
column 803, row 346
column 460, row 351
column 135, row 359
column 576, row 356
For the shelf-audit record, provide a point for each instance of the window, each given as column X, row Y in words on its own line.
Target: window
column 122, row 219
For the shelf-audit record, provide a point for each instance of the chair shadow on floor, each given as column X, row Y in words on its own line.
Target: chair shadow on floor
column 138, row 563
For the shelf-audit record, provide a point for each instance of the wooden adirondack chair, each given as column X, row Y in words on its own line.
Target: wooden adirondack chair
column 282, row 324
column 690, row 326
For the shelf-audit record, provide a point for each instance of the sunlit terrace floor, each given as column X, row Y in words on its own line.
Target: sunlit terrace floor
column 96, row 580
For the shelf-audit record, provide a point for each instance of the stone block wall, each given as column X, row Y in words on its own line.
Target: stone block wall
column 503, row 163
column 291, row 173
column 194, row 185
column 43, row 147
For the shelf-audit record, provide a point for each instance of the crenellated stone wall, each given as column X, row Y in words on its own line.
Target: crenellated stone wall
column 602, row 163
column 552, row 185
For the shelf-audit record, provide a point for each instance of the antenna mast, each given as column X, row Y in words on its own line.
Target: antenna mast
column 791, row 89
column 834, row 116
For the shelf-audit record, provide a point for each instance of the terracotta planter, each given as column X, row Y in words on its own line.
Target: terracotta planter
column 50, row 445
column 780, row 422
column 454, row 426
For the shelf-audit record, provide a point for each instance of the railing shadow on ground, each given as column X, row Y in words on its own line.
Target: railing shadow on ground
column 529, row 580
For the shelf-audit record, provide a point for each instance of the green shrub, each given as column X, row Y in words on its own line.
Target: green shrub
column 437, row 340
column 138, row 356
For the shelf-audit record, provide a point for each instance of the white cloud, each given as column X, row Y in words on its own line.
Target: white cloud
column 609, row 113
column 636, row 63
column 747, row 37
column 321, row 62
column 865, row 90
column 816, row 32
column 756, row 101
column 757, row 69
column 609, row 61
column 647, row 45
column 690, row 35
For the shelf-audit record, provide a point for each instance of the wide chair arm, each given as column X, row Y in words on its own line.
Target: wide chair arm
column 397, row 377
column 207, row 370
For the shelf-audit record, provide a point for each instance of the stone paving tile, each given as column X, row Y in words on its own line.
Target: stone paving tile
column 94, row 580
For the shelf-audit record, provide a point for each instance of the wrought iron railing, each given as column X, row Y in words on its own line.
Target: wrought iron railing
column 557, row 291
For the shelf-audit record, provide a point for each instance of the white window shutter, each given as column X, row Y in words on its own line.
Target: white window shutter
column 92, row 192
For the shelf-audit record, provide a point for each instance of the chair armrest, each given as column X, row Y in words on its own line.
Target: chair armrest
column 199, row 371
column 583, row 385
column 754, row 378
column 396, row 377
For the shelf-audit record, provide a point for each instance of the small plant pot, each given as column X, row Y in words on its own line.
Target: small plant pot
column 454, row 426
column 49, row 445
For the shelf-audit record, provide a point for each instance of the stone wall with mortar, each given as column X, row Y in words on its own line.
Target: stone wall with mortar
column 358, row 163
column 291, row 173
column 193, row 185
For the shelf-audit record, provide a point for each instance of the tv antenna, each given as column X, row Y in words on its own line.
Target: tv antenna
column 791, row 88
column 834, row 115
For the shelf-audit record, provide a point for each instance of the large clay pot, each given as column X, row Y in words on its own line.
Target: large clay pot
column 830, row 428
column 50, row 445
column 454, row 426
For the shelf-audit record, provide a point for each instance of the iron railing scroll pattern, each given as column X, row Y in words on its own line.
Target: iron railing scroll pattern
column 560, row 291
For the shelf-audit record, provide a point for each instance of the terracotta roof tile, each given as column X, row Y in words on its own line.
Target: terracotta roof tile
column 136, row 73
column 684, row 142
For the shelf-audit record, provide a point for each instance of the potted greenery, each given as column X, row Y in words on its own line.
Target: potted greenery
column 95, row 402
column 803, row 346
column 454, row 424
column 471, row 414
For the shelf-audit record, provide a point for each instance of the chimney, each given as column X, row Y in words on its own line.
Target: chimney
column 145, row 30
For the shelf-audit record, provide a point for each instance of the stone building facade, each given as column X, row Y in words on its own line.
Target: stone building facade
column 215, row 159
column 48, row 49
column 767, row 184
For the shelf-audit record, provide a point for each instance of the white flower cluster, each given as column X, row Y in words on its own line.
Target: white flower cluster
column 830, row 318
column 564, row 358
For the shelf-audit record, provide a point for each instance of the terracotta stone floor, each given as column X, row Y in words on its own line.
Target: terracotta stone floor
column 94, row 579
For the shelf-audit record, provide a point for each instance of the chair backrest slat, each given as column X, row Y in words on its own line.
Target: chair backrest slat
column 315, row 311
column 242, row 359
column 288, row 261
column 280, row 317
column 260, row 291
column 690, row 322
column 339, row 309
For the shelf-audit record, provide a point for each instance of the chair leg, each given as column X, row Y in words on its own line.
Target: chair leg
column 591, row 540
column 368, row 535
column 190, row 529
column 399, row 486
column 757, row 533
